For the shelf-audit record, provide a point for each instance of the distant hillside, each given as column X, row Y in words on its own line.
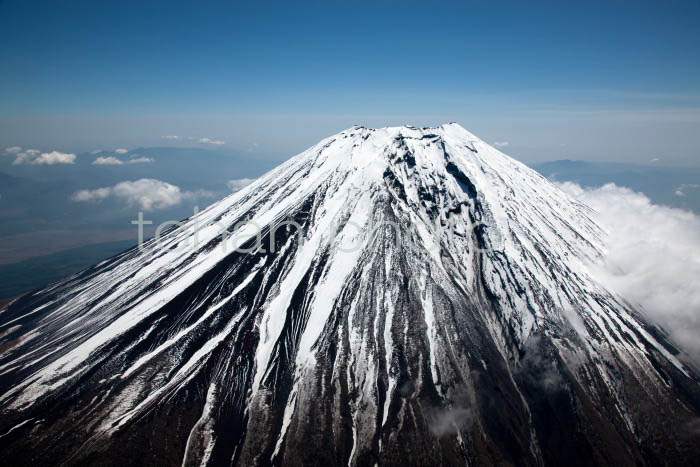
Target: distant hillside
column 660, row 184
column 30, row 274
column 36, row 208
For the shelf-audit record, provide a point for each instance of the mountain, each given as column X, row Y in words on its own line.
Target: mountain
column 388, row 297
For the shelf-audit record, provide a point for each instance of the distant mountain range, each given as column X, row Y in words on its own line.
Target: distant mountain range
column 672, row 186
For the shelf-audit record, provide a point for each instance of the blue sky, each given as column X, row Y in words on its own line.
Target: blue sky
column 585, row 80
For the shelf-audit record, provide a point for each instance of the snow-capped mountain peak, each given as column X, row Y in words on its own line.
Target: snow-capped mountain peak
column 388, row 292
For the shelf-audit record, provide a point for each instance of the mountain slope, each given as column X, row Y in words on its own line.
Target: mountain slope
column 397, row 293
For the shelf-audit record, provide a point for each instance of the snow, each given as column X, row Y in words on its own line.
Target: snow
column 539, row 247
column 427, row 300
column 286, row 420
column 202, row 432
column 19, row 425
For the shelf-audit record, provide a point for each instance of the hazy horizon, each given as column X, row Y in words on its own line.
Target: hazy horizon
column 597, row 81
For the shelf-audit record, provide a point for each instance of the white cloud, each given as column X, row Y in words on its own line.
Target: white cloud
column 121, row 151
column 654, row 160
column 501, row 144
column 449, row 421
column 54, row 157
column 96, row 151
column 147, row 194
column 653, row 258
column 211, row 141
column 25, row 157
column 13, row 150
column 141, row 160
column 680, row 191
column 92, row 195
column 109, row 160
column 239, row 183
column 170, row 137
column 33, row 156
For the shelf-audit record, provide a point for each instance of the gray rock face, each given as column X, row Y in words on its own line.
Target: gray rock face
column 388, row 297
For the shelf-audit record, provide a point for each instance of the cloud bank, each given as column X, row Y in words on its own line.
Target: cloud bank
column 653, row 258
column 501, row 144
column 36, row 157
column 147, row 194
